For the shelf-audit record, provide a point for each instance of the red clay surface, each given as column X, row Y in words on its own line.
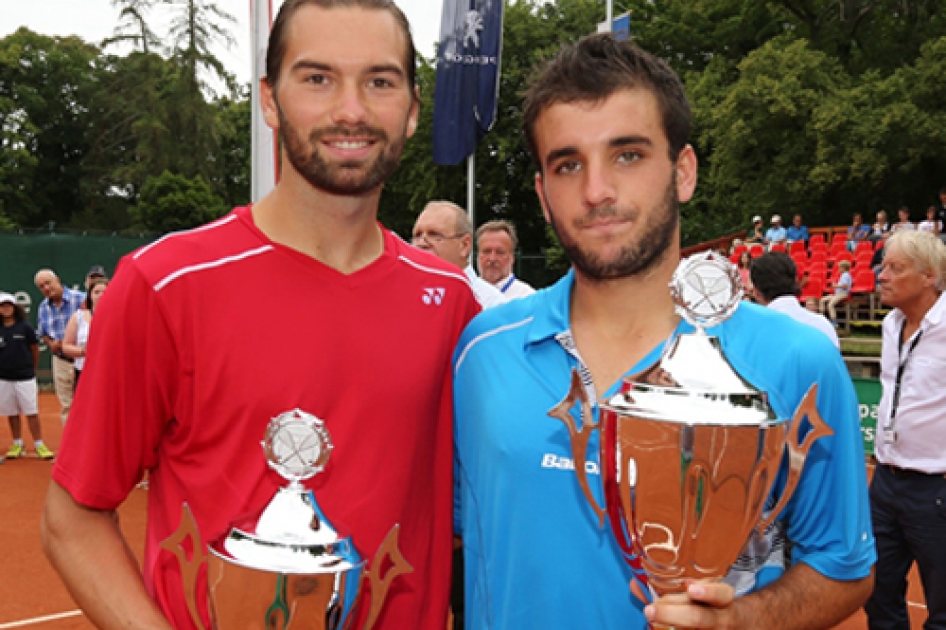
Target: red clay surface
column 30, row 589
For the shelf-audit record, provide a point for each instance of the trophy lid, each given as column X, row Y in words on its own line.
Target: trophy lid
column 292, row 534
column 693, row 382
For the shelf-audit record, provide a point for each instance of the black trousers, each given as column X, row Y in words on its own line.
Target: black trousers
column 908, row 510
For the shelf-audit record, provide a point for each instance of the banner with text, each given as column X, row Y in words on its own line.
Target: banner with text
column 468, row 60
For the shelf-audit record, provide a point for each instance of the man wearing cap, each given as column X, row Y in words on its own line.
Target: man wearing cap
column 754, row 234
column 54, row 313
column 776, row 233
column 96, row 271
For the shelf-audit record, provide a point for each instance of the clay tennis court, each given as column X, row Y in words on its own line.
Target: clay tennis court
column 31, row 595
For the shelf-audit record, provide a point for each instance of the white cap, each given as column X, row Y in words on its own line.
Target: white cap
column 7, row 298
column 756, row 219
column 775, row 218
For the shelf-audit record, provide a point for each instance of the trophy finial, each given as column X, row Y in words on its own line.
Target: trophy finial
column 297, row 445
column 706, row 289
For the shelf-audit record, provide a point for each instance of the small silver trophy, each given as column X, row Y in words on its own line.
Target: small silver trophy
column 689, row 449
column 292, row 569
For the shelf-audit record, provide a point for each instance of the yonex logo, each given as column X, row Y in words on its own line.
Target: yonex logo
column 434, row 296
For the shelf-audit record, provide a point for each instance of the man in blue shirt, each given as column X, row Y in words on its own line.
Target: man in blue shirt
column 54, row 313
column 607, row 125
column 796, row 231
column 776, row 233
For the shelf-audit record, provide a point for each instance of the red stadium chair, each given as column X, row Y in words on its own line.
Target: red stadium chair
column 864, row 246
column 800, row 258
column 756, row 250
column 864, row 282
column 836, row 256
column 778, row 247
column 819, row 256
column 817, row 241
column 738, row 249
column 838, row 237
column 814, row 288
column 797, row 246
column 863, row 259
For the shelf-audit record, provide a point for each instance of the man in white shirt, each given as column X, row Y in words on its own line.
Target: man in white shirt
column 909, row 484
column 444, row 229
column 775, row 285
column 496, row 244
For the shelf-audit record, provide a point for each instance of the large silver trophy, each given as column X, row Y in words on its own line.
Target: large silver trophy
column 292, row 569
column 689, row 449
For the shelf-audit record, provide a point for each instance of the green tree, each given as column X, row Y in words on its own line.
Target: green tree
column 169, row 203
column 44, row 85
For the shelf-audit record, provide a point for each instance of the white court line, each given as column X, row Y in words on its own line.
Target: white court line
column 35, row 620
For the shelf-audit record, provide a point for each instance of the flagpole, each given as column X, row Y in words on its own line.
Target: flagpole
column 471, row 188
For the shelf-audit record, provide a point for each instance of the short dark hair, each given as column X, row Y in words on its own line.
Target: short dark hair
column 774, row 275
column 597, row 67
column 276, row 50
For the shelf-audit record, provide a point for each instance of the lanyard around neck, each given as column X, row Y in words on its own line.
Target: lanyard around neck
column 890, row 434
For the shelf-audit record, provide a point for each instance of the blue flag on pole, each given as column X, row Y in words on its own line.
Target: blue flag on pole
column 471, row 35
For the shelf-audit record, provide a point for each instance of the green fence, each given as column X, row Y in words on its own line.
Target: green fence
column 69, row 255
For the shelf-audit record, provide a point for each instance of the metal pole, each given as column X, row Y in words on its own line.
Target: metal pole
column 471, row 187
column 609, row 15
column 471, row 196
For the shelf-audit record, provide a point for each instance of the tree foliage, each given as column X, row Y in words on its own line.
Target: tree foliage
column 822, row 107
column 170, row 203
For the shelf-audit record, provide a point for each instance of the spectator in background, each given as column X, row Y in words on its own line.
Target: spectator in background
column 54, row 313
column 877, row 260
column 444, row 229
column 857, row 232
column 904, row 223
column 941, row 213
column 775, row 285
column 76, row 340
column 776, row 233
column 931, row 224
column 755, row 234
column 842, row 291
column 95, row 272
column 496, row 244
column 744, row 265
column 796, row 231
column 19, row 355
column 909, row 485
column 880, row 228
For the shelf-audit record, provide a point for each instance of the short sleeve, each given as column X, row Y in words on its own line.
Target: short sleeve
column 127, row 397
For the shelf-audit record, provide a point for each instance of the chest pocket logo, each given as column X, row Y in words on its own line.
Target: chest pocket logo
column 433, row 296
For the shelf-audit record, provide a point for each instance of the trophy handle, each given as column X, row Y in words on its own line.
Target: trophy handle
column 380, row 585
column 579, row 437
column 189, row 568
column 797, row 453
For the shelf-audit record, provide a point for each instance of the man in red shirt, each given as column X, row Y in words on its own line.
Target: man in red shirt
column 300, row 301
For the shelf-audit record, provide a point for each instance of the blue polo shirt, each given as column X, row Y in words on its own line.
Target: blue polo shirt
column 535, row 555
column 799, row 233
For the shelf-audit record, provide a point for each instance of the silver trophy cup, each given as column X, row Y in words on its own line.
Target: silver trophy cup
column 689, row 449
column 292, row 569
